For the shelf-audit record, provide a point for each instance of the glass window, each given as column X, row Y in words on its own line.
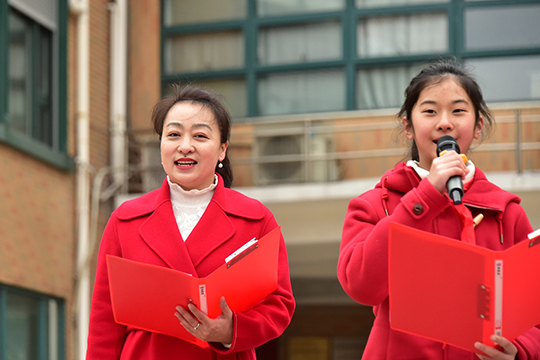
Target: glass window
column 502, row 27
column 383, row 88
column 508, row 78
column 402, row 35
column 282, row 7
column 22, row 320
column 181, row 12
column 20, row 70
column 204, row 52
column 383, row 3
column 34, row 325
column 30, row 87
column 44, row 127
column 300, row 43
column 33, row 78
column 294, row 93
column 234, row 92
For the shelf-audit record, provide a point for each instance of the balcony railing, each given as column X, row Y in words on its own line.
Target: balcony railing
column 335, row 147
column 354, row 145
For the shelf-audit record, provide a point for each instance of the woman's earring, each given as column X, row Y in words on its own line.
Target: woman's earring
column 220, row 165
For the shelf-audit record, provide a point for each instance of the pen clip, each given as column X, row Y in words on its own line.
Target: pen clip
column 242, row 252
column 534, row 238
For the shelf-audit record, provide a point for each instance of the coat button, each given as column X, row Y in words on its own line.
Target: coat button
column 418, row 209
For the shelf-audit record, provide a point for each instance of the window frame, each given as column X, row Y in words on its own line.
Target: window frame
column 43, row 333
column 349, row 62
column 57, row 154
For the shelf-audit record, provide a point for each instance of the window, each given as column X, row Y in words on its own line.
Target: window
column 399, row 35
column 302, row 92
column 508, row 78
column 32, row 78
column 502, row 27
column 31, row 325
column 278, row 57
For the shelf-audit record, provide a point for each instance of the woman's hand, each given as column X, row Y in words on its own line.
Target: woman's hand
column 201, row 326
column 444, row 167
column 508, row 352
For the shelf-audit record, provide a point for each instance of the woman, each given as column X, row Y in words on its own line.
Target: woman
column 191, row 224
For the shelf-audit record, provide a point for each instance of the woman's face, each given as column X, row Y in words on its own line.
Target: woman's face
column 442, row 109
column 191, row 145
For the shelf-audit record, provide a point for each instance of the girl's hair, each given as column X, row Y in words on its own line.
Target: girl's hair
column 208, row 100
column 434, row 74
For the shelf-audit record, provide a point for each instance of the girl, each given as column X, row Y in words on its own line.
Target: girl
column 191, row 224
column 441, row 100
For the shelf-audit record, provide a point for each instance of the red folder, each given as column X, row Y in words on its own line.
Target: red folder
column 458, row 293
column 145, row 296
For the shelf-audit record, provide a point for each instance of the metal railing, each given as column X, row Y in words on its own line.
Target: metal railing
column 355, row 145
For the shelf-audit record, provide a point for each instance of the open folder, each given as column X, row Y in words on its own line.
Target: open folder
column 458, row 293
column 145, row 296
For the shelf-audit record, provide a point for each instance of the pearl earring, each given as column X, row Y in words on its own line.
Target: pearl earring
column 220, row 165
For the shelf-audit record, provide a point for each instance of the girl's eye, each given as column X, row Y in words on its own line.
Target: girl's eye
column 173, row 135
column 201, row 136
column 459, row 110
column 429, row 111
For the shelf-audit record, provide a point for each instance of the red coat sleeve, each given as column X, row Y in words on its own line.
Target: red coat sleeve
column 106, row 337
column 363, row 258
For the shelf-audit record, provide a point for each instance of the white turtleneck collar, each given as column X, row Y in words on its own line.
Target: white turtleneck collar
column 189, row 206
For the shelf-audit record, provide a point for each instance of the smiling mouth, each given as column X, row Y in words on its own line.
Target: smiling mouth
column 185, row 162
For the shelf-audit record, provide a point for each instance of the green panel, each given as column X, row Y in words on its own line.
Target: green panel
column 250, row 36
column 61, row 330
column 43, row 346
column 3, row 61
column 349, row 54
column 2, row 322
column 62, row 56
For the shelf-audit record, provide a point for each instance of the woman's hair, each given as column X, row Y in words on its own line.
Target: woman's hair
column 434, row 74
column 208, row 100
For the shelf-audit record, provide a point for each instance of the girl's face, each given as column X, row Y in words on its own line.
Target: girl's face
column 442, row 109
column 191, row 145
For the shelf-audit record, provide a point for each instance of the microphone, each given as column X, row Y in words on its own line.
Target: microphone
column 454, row 185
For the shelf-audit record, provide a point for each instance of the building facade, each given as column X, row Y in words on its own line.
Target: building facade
column 313, row 88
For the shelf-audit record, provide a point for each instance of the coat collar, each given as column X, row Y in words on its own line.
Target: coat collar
column 481, row 192
column 230, row 201
column 215, row 227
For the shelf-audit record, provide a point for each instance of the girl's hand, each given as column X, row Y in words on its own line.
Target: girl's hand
column 201, row 326
column 508, row 353
column 444, row 167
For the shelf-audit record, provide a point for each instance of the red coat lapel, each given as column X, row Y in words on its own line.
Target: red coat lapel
column 161, row 234
column 214, row 228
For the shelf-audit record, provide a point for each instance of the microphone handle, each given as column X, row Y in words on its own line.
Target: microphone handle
column 455, row 189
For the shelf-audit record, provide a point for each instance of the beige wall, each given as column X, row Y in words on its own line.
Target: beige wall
column 144, row 63
column 37, row 221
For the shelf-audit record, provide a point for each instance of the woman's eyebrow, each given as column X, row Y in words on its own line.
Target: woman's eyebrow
column 197, row 125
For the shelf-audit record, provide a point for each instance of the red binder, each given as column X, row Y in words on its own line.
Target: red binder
column 458, row 293
column 145, row 296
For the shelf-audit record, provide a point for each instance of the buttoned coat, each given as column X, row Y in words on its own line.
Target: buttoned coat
column 145, row 230
column 402, row 197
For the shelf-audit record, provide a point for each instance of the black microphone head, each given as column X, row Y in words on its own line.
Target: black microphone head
column 447, row 142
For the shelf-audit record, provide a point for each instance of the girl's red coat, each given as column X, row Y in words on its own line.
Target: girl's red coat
column 363, row 260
